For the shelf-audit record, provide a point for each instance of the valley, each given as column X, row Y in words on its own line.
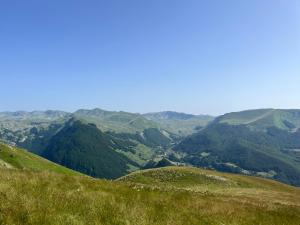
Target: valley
column 107, row 144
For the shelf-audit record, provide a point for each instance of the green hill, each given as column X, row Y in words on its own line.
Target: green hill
column 235, row 148
column 179, row 123
column 16, row 158
column 263, row 142
column 201, row 180
column 83, row 147
column 171, row 195
column 262, row 119
column 120, row 122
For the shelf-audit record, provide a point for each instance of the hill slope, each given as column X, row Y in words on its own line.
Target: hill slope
column 199, row 180
column 83, row 147
column 236, row 148
column 176, row 196
column 16, row 158
column 261, row 119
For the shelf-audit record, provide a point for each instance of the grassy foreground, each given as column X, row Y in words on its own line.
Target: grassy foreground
column 170, row 196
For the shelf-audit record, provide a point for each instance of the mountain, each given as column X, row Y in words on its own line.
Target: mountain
column 130, row 136
column 31, row 130
column 179, row 123
column 84, row 148
column 19, row 159
column 34, row 130
column 170, row 115
column 261, row 119
column 262, row 142
column 170, row 195
column 120, row 122
column 34, row 115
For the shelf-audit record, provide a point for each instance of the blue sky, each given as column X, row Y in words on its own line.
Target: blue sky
column 195, row 56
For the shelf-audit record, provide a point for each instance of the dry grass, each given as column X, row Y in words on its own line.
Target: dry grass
column 174, row 196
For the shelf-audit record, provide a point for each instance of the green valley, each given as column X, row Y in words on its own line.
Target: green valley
column 111, row 144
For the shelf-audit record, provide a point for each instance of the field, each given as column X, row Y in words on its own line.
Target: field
column 170, row 196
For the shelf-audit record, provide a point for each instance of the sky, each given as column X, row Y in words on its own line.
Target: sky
column 193, row 56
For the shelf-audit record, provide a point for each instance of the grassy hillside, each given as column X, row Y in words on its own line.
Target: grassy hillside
column 16, row 158
column 261, row 119
column 199, row 180
column 236, row 148
column 169, row 196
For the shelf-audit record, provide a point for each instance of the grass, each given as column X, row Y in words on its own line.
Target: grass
column 36, row 191
column 141, row 155
column 16, row 158
column 171, row 196
column 200, row 180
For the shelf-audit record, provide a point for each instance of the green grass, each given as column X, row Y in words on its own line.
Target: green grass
column 171, row 196
column 141, row 154
column 16, row 158
column 192, row 178
column 36, row 191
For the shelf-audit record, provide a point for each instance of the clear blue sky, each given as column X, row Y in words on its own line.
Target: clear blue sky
column 195, row 56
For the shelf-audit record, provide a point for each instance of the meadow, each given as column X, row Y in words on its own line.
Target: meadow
column 171, row 196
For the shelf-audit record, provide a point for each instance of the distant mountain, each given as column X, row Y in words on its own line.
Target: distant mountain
column 263, row 142
column 120, row 122
column 31, row 130
column 84, row 148
column 36, row 116
column 258, row 142
column 179, row 123
column 262, row 119
column 169, row 115
column 131, row 135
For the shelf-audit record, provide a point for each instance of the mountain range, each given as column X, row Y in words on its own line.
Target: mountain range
column 106, row 144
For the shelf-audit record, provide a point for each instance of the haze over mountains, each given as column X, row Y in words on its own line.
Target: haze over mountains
column 100, row 143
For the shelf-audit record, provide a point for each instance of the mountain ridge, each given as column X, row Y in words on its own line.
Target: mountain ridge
column 233, row 142
column 258, row 142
